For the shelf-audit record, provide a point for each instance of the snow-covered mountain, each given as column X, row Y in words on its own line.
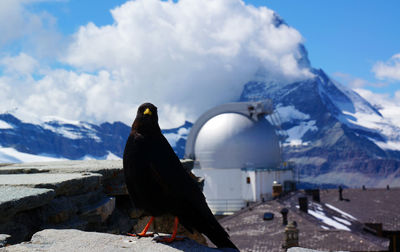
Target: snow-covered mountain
column 333, row 135
column 58, row 139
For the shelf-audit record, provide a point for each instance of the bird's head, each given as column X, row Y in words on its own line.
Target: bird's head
column 146, row 119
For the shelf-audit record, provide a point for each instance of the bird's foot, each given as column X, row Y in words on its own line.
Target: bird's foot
column 139, row 235
column 169, row 239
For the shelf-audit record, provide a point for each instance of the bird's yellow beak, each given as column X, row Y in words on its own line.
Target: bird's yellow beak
column 147, row 112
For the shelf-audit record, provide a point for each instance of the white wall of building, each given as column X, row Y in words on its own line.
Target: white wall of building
column 227, row 190
column 223, row 189
column 265, row 180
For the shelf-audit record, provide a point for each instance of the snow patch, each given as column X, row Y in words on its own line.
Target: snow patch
column 355, row 103
column 389, row 145
column 289, row 113
column 61, row 120
column 348, row 223
column 377, row 124
column 5, row 125
column 108, row 156
column 341, row 212
column 72, row 129
column 112, row 156
column 296, row 133
column 10, row 155
column 357, row 113
column 64, row 131
column 328, row 221
column 318, row 213
column 173, row 138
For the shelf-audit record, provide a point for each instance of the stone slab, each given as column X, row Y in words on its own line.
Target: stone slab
column 61, row 183
column 298, row 249
column 111, row 170
column 108, row 168
column 14, row 199
column 103, row 167
column 74, row 240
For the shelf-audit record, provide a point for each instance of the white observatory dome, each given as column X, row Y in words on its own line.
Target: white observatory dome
column 235, row 141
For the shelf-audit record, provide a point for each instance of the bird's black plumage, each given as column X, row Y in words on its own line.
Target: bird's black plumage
column 158, row 183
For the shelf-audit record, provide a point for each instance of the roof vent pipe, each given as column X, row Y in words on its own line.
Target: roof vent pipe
column 284, row 213
column 340, row 193
column 303, row 203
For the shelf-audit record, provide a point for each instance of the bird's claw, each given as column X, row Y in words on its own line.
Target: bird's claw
column 168, row 239
column 140, row 235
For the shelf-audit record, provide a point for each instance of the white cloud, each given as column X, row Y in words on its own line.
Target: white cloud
column 21, row 64
column 389, row 70
column 13, row 21
column 355, row 82
column 33, row 31
column 184, row 57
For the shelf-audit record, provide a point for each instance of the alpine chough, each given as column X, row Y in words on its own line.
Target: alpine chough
column 158, row 184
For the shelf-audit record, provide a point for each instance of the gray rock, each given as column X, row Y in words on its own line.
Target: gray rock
column 3, row 239
column 100, row 210
column 104, row 167
column 59, row 210
column 61, row 183
column 14, row 199
column 75, row 240
column 111, row 170
column 116, row 189
column 298, row 249
column 83, row 200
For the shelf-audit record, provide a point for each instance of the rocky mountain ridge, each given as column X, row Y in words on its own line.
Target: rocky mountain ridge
column 61, row 139
column 331, row 133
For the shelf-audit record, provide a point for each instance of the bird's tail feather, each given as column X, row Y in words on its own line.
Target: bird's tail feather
column 216, row 233
column 211, row 228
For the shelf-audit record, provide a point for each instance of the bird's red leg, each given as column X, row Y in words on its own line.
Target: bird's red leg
column 173, row 236
column 144, row 231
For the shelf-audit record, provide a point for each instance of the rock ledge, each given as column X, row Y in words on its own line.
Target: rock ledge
column 76, row 240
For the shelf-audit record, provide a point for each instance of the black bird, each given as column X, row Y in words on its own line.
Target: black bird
column 158, row 183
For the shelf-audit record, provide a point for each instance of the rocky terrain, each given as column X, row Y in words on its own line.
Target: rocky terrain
column 59, row 240
column 84, row 195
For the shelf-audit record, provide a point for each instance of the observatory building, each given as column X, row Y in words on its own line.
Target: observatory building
column 237, row 152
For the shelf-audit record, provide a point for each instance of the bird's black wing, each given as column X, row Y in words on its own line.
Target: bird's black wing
column 144, row 184
column 187, row 200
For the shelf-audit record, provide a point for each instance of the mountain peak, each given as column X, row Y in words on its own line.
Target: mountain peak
column 330, row 127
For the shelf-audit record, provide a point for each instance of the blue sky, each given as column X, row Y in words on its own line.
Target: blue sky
column 345, row 36
column 354, row 41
